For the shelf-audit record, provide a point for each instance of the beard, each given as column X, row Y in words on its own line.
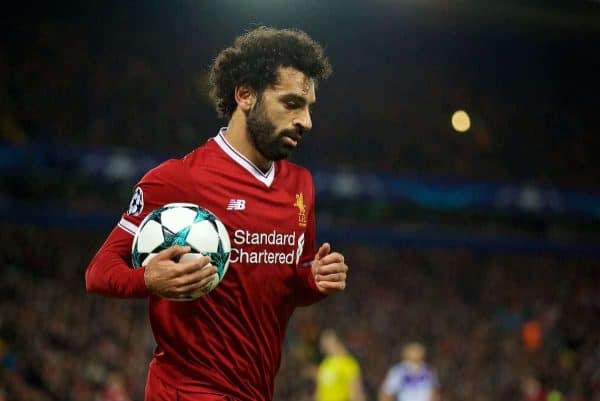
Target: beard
column 269, row 143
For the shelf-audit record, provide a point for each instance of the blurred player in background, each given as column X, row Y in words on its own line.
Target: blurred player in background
column 411, row 379
column 227, row 344
column 338, row 375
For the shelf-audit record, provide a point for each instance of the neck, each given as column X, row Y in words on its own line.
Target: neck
column 239, row 138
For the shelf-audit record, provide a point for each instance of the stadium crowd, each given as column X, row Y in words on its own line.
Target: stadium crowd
column 492, row 323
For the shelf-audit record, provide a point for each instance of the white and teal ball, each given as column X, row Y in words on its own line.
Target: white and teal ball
column 184, row 224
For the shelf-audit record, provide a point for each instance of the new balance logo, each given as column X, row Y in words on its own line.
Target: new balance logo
column 236, row 204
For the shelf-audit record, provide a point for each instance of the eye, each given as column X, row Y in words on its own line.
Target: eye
column 292, row 104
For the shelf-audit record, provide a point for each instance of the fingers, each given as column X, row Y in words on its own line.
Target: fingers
column 172, row 252
column 195, row 276
column 197, row 280
column 182, row 287
column 331, row 277
column 332, row 263
column 330, row 270
column 169, row 279
column 323, row 251
column 332, row 285
column 187, row 262
column 190, row 263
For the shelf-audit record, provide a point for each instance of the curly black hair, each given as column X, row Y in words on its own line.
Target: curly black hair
column 255, row 58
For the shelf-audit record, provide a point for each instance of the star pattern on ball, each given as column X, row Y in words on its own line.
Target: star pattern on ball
column 178, row 238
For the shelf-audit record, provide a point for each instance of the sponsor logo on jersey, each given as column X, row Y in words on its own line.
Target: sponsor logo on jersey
column 137, row 202
column 301, row 209
column 290, row 247
column 236, row 204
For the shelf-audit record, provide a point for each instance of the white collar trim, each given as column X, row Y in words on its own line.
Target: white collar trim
column 265, row 178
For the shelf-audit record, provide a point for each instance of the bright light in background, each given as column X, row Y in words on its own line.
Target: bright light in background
column 461, row 121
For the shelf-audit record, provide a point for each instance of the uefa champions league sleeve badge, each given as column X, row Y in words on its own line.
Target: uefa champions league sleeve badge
column 137, row 202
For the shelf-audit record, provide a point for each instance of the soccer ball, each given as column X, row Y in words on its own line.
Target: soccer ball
column 183, row 224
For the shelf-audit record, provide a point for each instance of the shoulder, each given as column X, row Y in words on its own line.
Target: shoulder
column 156, row 187
column 393, row 379
column 166, row 177
column 326, row 364
column 175, row 170
column 164, row 172
column 397, row 370
column 201, row 154
column 351, row 364
column 350, row 360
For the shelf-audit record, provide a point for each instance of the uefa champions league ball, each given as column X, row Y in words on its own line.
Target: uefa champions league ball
column 184, row 224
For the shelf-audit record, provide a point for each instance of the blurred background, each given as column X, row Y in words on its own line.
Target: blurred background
column 476, row 233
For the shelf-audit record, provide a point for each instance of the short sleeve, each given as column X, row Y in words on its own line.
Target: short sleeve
column 391, row 383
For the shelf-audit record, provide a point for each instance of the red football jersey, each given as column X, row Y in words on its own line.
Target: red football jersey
column 230, row 340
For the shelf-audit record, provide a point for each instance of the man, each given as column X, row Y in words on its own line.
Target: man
column 338, row 375
column 411, row 379
column 227, row 344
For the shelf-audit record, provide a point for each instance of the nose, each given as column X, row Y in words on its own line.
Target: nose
column 303, row 120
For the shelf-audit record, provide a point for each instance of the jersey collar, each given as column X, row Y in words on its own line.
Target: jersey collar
column 265, row 178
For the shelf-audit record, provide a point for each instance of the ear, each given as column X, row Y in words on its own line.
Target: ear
column 245, row 98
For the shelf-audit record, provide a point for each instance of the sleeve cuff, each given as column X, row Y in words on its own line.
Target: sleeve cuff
column 138, row 284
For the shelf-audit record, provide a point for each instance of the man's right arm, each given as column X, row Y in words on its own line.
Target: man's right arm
column 389, row 387
column 383, row 396
column 109, row 273
column 357, row 391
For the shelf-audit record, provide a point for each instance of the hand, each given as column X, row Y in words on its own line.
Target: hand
column 169, row 279
column 329, row 270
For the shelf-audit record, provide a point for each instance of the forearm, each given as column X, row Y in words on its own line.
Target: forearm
column 385, row 396
column 358, row 392
column 109, row 274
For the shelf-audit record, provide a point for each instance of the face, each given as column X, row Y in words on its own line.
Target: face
column 414, row 353
column 327, row 343
column 281, row 114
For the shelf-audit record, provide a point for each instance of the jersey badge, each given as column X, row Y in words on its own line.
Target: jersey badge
column 137, row 203
column 301, row 209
